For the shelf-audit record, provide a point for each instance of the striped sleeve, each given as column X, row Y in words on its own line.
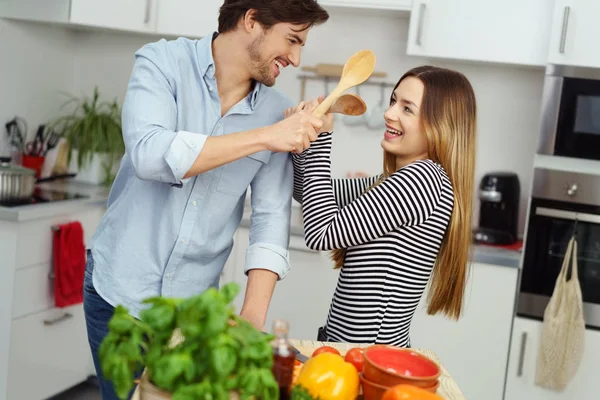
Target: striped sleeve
column 344, row 190
column 407, row 197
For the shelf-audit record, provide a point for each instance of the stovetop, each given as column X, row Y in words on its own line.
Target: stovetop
column 41, row 196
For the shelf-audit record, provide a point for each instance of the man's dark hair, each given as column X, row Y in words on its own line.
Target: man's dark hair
column 271, row 12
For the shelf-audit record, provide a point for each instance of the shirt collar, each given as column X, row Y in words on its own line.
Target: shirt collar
column 206, row 65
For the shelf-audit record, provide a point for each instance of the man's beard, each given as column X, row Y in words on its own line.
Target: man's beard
column 261, row 70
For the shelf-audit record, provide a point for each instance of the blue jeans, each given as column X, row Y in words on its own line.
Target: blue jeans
column 97, row 314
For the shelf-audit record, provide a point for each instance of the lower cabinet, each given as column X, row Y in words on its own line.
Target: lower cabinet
column 520, row 378
column 474, row 349
column 302, row 297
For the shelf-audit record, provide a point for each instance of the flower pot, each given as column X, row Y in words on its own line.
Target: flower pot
column 150, row 392
column 147, row 391
column 93, row 172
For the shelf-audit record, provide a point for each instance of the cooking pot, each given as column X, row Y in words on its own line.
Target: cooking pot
column 17, row 184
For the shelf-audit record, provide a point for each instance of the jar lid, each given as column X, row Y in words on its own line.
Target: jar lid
column 6, row 166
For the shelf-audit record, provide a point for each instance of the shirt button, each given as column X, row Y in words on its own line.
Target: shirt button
column 182, row 241
column 194, row 202
column 210, row 89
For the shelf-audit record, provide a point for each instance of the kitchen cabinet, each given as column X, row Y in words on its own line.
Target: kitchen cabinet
column 520, row 379
column 400, row 5
column 44, row 349
column 189, row 18
column 302, row 297
column 131, row 15
column 475, row 348
column 511, row 31
column 575, row 30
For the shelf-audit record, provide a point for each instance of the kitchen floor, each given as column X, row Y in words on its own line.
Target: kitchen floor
column 87, row 390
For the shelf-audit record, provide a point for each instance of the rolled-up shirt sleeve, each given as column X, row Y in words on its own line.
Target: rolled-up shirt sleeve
column 271, row 199
column 157, row 151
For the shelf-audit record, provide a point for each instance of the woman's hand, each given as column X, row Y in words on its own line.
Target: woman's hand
column 309, row 107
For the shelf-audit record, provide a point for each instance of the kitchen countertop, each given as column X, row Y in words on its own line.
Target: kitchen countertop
column 96, row 196
column 481, row 253
column 448, row 388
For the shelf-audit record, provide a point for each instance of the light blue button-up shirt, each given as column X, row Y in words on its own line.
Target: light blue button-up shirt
column 169, row 236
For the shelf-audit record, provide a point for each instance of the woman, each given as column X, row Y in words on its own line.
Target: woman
column 391, row 233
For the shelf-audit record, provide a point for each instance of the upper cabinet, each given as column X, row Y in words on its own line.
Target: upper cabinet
column 190, row 18
column 509, row 31
column 134, row 15
column 575, row 29
column 400, row 5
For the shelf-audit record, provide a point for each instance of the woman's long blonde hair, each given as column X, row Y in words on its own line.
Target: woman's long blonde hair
column 448, row 118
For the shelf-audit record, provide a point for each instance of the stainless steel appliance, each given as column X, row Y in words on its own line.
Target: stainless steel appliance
column 561, row 203
column 570, row 115
column 499, row 194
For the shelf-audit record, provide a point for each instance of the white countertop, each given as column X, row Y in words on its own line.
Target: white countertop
column 96, row 195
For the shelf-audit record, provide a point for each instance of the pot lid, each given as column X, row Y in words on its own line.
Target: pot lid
column 6, row 166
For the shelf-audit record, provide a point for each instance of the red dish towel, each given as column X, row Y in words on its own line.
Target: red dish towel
column 69, row 264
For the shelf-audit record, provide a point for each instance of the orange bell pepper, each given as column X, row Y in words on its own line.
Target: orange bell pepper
column 409, row 392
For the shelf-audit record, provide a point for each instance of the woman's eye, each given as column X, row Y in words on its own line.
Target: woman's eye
column 392, row 101
column 408, row 110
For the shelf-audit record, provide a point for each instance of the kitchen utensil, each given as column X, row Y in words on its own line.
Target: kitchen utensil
column 51, row 141
column 375, row 118
column 357, row 69
column 35, row 147
column 335, row 70
column 349, row 104
column 16, row 129
column 16, row 182
column 353, row 120
column 390, row 365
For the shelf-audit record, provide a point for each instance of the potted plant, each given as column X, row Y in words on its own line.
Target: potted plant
column 93, row 132
column 191, row 348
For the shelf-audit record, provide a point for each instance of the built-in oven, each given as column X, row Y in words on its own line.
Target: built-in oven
column 562, row 204
column 570, row 118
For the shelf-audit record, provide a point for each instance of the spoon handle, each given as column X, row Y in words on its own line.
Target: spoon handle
column 327, row 102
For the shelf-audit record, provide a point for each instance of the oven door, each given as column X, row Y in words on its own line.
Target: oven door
column 578, row 124
column 551, row 225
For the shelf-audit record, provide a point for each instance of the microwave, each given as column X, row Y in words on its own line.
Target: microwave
column 570, row 112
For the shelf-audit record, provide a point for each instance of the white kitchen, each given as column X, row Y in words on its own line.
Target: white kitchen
column 535, row 71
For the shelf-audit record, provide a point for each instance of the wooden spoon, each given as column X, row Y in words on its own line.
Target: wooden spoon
column 349, row 104
column 357, row 69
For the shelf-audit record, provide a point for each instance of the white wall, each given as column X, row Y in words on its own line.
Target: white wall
column 36, row 64
column 508, row 97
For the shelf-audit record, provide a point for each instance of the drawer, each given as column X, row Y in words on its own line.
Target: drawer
column 33, row 290
column 49, row 353
column 34, row 242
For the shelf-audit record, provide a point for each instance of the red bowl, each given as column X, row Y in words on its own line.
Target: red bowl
column 370, row 390
column 390, row 366
column 373, row 391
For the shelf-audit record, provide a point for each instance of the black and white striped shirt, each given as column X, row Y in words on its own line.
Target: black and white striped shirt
column 392, row 232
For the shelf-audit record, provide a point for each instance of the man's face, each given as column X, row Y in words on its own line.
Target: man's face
column 274, row 49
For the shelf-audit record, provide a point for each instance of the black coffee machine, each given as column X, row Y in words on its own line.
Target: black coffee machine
column 499, row 194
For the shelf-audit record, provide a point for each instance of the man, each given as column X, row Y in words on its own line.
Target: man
column 201, row 123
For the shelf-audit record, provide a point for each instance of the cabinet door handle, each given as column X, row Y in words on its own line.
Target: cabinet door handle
column 56, row 320
column 147, row 14
column 422, row 7
column 522, row 354
column 565, row 27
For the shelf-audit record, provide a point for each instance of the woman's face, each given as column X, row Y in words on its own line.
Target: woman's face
column 404, row 136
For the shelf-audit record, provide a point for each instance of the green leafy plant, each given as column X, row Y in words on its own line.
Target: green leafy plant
column 93, row 127
column 219, row 352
